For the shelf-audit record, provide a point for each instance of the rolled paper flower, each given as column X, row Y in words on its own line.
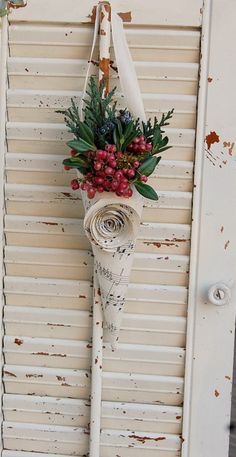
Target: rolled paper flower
column 111, row 224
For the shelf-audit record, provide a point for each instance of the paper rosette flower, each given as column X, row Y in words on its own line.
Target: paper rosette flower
column 111, row 224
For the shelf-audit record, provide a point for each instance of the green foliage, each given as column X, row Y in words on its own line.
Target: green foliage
column 103, row 124
column 123, row 134
column 81, row 145
column 148, row 166
column 146, row 191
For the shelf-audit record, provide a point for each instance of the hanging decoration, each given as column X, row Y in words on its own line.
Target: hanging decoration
column 114, row 152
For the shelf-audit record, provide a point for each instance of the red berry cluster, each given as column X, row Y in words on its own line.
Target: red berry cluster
column 139, row 145
column 111, row 171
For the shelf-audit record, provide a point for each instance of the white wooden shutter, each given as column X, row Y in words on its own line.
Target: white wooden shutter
column 48, row 263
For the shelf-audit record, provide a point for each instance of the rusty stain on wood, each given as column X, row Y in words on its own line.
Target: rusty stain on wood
column 142, row 439
column 18, row 341
column 230, row 146
column 217, row 393
column 126, row 17
column 48, row 223
column 211, row 139
column 209, row 79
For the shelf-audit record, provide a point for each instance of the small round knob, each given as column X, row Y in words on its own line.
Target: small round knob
column 219, row 294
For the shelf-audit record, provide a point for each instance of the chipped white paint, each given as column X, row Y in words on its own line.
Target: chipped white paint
column 211, row 328
column 184, row 14
column 3, row 91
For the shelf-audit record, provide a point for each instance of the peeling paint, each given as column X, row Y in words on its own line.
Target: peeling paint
column 142, row 439
column 230, row 146
column 48, row 223
column 126, row 17
column 211, row 139
column 92, row 15
column 18, row 341
column 34, row 375
column 61, row 378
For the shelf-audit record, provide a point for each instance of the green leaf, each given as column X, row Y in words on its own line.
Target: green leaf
column 146, row 191
column 81, row 145
column 81, row 166
column 116, row 138
column 158, row 151
column 86, row 133
column 119, row 126
column 148, row 166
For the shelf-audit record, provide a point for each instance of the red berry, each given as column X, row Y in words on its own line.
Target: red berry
column 97, row 165
column 113, row 163
column 136, row 140
column 136, row 164
column 136, row 148
column 148, row 146
column 110, row 148
column 114, row 184
column 143, row 178
column 73, row 153
column 130, row 147
column 75, row 184
column 142, row 147
column 118, row 175
column 122, row 186
column 119, row 193
column 100, row 154
column 109, row 171
column 100, row 189
column 107, row 185
column 67, row 168
column 128, row 193
column 131, row 173
column 125, row 170
column 141, row 139
column 99, row 180
column 91, row 192
column 84, row 186
column 120, row 155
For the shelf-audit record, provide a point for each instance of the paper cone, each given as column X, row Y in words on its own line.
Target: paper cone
column 111, row 224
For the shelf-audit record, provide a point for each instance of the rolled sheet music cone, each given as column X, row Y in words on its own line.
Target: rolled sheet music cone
column 111, row 224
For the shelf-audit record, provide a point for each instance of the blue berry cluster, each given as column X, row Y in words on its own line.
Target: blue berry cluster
column 107, row 128
column 125, row 117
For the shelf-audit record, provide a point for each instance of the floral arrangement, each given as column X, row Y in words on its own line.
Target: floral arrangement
column 112, row 151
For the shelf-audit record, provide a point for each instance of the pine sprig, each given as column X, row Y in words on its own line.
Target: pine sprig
column 150, row 128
